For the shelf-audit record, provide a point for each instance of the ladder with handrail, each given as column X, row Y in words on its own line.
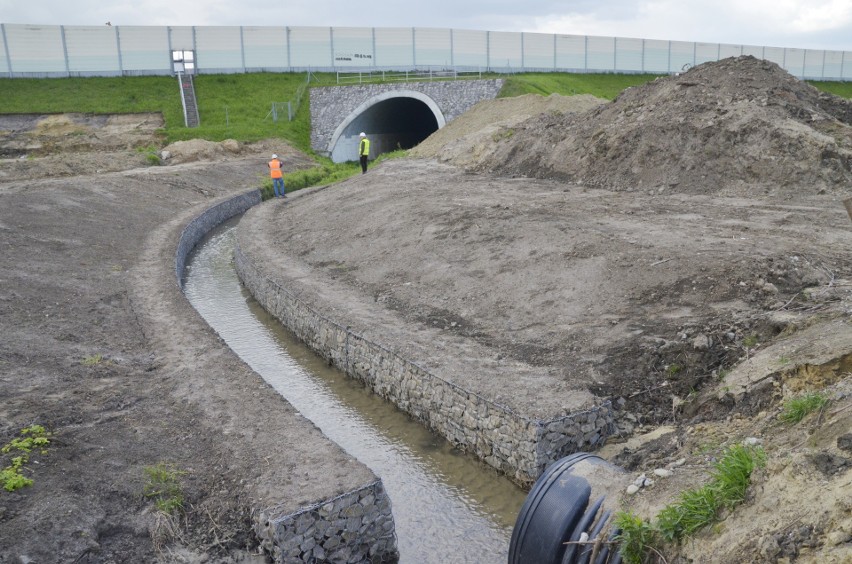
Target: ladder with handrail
column 187, row 98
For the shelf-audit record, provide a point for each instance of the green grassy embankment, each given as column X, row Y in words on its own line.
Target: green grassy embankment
column 238, row 106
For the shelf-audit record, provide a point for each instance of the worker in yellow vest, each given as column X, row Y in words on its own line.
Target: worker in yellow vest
column 363, row 151
column 277, row 177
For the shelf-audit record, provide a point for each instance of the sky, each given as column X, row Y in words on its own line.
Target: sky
column 807, row 24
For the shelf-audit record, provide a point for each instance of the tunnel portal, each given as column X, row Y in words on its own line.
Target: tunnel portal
column 393, row 115
column 391, row 123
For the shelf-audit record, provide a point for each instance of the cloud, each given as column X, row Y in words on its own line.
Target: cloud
column 784, row 23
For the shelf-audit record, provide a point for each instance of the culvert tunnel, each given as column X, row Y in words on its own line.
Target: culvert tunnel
column 392, row 121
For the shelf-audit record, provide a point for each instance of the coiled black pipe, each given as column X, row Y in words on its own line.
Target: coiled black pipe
column 557, row 512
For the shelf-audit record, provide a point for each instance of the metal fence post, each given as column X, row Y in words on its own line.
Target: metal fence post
column 9, row 55
column 64, row 49
column 118, row 48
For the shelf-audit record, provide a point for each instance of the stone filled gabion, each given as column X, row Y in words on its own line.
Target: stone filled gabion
column 517, row 446
column 354, row 527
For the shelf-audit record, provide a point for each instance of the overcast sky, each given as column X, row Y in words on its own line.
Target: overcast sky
column 811, row 24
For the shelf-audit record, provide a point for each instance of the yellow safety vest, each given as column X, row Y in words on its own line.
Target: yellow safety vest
column 364, row 148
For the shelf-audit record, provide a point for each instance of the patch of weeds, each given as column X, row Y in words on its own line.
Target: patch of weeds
column 163, row 486
column 750, row 341
column 92, row 360
column 799, row 407
column 153, row 159
column 723, row 374
column 637, row 537
column 32, row 437
column 695, row 509
column 503, row 134
column 673, row 369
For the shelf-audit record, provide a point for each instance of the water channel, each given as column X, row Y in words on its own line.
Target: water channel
column 447, row 506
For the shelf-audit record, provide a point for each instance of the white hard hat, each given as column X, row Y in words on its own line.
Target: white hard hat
column 274, row 156
column 362, row 134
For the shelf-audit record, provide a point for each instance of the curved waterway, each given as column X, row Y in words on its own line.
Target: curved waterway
column 447, row 506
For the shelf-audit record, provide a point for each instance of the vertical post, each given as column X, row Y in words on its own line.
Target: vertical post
column 9, row 55
column 289, row 60
column 554, row 51
column 65, row 49
column 585, row 52
column 452, row 51
column 669, row 60
column 784, row 59
column 375, row 62
column 614, row 54
column 331, row 45
column 196, row 68
column 171, row 55
column 118, row 48
column 523, row 52
column 289, row 111
column 414, row 47
column 487, row 51
column 643, row 56
column 823, row 64
column 242, row 49
column 694, row 53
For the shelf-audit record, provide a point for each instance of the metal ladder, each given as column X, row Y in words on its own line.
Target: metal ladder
column 187, row 98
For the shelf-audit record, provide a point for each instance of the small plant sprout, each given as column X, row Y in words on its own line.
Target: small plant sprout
column 92, row 360
column 799, row 407
column 750, row 341
column 163, row 486
column 34, row 437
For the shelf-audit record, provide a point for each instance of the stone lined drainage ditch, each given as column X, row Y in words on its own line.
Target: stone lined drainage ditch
column 447, row 506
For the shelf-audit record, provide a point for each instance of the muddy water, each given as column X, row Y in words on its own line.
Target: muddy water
column 448, row 507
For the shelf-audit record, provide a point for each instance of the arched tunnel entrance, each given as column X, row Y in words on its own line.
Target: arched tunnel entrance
column 395, row 120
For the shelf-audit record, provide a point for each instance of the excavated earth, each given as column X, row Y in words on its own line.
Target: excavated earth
column 682, row 251
column 99, row 345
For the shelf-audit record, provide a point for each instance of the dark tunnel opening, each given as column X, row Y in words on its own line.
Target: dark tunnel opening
column 400, row 123
column 394, row 123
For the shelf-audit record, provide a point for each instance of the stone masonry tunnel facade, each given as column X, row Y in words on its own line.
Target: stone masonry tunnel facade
column 394, row 116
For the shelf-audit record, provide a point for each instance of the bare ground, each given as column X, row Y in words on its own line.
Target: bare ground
column 100, row 347
column 682, row 251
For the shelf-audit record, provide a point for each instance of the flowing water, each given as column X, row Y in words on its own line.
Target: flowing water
column 448, row 507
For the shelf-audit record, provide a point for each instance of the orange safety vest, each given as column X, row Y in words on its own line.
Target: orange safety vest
column 275, row 169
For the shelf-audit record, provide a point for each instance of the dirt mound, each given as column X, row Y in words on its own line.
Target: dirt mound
column 470, row 138
column 734, row 127
column 34, row 135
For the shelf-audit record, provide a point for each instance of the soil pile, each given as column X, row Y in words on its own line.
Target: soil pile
column 737, row 127
column 471, row 137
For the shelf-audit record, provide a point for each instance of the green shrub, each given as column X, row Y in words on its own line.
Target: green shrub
column 799, row 407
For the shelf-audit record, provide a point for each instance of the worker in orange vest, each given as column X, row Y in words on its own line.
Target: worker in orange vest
column 277, row 177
